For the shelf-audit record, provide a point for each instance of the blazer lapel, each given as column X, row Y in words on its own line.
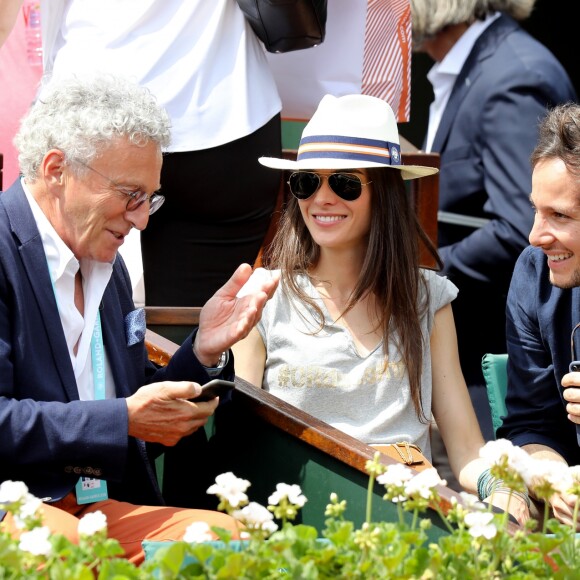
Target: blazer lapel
column 114, row 339
column 482, row 49
column 36, row 267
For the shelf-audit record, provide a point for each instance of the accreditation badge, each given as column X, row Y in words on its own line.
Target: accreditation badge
column 90, row 490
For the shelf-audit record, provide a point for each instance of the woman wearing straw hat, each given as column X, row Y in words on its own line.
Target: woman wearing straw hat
column 357, row 333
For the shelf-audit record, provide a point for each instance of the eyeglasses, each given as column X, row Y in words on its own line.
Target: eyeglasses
column 304, row 184
column 136, row 198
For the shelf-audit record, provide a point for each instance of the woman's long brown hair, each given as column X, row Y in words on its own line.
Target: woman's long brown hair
column 390, row 271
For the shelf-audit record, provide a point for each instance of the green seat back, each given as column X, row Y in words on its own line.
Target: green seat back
column 494, row 367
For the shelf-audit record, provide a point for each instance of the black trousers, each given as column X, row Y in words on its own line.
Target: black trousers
column 218, row 206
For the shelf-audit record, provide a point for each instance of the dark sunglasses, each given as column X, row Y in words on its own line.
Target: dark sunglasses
column 304, row 184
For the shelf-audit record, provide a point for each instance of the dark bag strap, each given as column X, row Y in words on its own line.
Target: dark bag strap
column 286, row 25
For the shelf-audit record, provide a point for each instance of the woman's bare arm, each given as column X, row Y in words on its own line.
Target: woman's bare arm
column 250, row 358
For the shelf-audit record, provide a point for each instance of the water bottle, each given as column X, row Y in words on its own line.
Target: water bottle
column 31, row 10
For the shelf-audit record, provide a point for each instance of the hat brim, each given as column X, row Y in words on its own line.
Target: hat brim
column 407, row 171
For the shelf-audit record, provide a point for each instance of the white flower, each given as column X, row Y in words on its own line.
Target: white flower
column 12, row 491
column 516, row 457
column 36, row 542
column 471, row 501
column 292, row 492
column 479, row 524
column 230, row 488
column 197, row 533
column 395, row 475
column 423, row 483
column 28, row 509
column 556, row 473
column 575, row 473
column 256, row 517
column 92, row 523
column 494, row 450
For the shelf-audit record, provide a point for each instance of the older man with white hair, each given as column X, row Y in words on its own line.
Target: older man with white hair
column 83, row 413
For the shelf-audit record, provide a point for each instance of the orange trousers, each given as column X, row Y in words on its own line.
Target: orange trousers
column 129, row 524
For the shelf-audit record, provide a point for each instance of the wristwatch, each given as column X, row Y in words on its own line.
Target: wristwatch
column 218, row 368
column 223, row 360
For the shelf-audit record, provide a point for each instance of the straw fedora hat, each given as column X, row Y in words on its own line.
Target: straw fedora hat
column 350, row 132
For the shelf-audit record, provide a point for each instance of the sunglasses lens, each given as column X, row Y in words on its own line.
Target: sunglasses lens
column 345, row 185
column 303, row 184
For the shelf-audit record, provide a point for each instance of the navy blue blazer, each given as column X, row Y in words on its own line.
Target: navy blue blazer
column 486, row 135
column 50, row 438
column 540, row 320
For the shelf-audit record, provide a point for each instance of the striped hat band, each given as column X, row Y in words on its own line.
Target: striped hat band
column 354, row 148
column 350, row 132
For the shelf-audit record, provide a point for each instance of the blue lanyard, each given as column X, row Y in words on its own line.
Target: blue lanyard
column 89, row 489
column 98, row 358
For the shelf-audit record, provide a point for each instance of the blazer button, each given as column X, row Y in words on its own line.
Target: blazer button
column 77, row 470
column 97, row 472
column 88, row 470
column 68, row 469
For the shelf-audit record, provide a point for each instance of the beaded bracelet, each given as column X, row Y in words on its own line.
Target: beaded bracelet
column 521, row 494
column 487, row 484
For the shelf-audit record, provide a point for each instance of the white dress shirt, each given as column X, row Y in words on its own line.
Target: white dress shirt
column 443, row 75
column 78, row 331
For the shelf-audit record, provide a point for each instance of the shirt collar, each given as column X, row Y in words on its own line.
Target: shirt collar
column 454, row 60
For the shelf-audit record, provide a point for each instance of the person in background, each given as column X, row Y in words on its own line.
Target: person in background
column 358, row 334
column 83, row 413
column 543, row 308
column 8, row 15
column 19, row 77
column 492, row 84
column 207, row 68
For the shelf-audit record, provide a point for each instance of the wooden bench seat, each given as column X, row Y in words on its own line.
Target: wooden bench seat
column 170, row 322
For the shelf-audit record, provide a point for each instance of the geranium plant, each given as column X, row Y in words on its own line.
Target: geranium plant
column 480, row 544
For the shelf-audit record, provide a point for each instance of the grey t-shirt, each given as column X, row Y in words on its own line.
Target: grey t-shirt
column 324, row 375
